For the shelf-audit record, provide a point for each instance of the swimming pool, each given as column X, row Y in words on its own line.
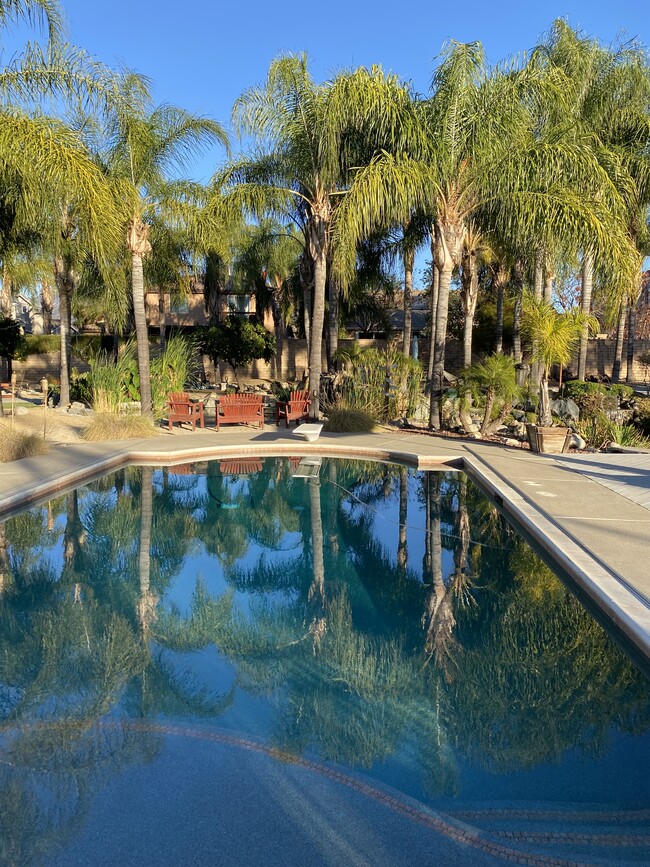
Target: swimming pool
column 305, row 661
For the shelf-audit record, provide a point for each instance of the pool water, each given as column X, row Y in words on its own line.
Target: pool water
column 289, row 662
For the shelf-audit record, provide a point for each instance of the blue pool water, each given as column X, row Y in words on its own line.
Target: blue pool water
column 229, row 663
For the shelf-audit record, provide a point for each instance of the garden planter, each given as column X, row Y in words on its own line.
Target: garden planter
column 550, row 440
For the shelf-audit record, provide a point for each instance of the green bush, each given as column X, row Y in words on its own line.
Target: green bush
column 600, row 430
column 345, row 420
column 83, row 345
column 641, row 417
column 593, row 398
column 171, row 371
column 363, row 383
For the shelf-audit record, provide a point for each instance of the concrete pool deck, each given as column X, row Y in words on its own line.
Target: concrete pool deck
column 589, row 513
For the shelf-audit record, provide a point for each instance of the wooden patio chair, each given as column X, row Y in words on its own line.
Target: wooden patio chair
column 240, row 409
column 296, row 408
column 240, row 467
column 183, row 409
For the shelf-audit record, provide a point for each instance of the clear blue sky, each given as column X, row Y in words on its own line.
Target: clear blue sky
column 201, row 54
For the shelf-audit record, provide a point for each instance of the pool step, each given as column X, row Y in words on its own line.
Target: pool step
column 574, row 835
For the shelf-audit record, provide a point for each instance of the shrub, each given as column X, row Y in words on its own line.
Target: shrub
column 83, row 345
column 641, row 417
column 111, row 426
column 237, row 341
column 600, row 430
column 491, row 382
column 171, row 370
column 114, row 382
column 16, row 444
column 593, row 398
column 382, row 384
column 343, row 419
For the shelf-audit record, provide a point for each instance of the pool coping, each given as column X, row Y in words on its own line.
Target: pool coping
column 30, row 481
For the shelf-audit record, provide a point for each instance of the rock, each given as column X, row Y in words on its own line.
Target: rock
column 577, row 442
column 566, row 409
column 77, row 408
column 507, row 441
column 518, row 429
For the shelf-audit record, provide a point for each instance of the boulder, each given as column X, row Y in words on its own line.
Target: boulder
column 566, row 409
column 577, row 442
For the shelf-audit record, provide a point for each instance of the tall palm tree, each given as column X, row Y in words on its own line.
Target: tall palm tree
column 313, row 136
column 146, row 146
column 477, row 150
column 606, row 96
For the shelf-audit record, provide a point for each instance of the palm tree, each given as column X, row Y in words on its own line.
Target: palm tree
column 477, row 151
column 553, row 337
column 607, row 97
column 314, row 136
column 146, row 145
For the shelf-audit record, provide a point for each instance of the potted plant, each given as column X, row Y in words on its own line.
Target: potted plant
column 553, row 337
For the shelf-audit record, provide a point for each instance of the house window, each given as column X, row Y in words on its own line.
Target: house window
column 239, row 303
column 179, row 305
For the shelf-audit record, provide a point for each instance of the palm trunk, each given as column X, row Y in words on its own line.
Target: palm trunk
column 538, row 284
column 317, row 320
column 162, row 316
column 469, row 299
column 631, row 328
column 518, row 287
column 409, row 259
column 438, row 373
column 618, row 352
column 433, row 315
column 545, row 415
column 5, row 565
column 141, row 333
column 498, row 343
column 333, row 343
column 6, row 296
column 280, row 329
column 585, row 305
column 449, row 238
column 147, row 600
column 47, row 305
column 316, row 594
column 65, row 285
column 548, row 287
column 402, row 551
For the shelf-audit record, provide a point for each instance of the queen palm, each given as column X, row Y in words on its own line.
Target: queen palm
column 146, row 145
column 477, row 152
column 313, row 135
column 606, row 96
column 554, row 337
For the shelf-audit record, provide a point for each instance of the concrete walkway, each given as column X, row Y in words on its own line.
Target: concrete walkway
column 589, row 513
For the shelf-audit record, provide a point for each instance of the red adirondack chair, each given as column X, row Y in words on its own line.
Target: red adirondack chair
column 240, row 409
column 183, row 409
column 294, row 409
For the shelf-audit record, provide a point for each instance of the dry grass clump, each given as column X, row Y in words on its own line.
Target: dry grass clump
column 16, row 443
column 344, row 420
column 109, row 426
